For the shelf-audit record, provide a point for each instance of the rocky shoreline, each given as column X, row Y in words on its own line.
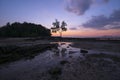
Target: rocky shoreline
column 62, row 61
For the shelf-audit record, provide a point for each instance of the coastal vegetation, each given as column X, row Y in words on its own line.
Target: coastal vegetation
column 25, row 29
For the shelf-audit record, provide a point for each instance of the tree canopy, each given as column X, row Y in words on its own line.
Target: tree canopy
column 25, row 29
column 59, row 28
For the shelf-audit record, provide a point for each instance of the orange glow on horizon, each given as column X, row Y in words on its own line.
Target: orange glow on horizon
column 88, row 33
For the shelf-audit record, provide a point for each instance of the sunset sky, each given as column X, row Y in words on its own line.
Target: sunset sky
column 85, row 18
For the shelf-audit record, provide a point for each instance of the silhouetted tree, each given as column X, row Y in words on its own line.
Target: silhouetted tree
column 8, row 24
column 59, row 28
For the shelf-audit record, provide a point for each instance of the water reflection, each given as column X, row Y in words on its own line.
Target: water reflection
column 40, row 63
column 64, row 50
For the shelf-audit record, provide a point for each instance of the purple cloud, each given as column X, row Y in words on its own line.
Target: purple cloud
column 79, row 7
column 103, row 22
column 106, row 1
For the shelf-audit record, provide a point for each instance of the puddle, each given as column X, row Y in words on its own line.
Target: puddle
column 23, row 69
column 65, row 50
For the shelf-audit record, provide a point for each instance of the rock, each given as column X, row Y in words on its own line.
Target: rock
column 83, row 51
column 71, row 52
column 63, row 62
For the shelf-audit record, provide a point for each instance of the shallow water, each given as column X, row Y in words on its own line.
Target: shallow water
column 27, row 69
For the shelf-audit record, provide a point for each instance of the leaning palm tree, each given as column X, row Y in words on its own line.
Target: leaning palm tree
column 58, row 28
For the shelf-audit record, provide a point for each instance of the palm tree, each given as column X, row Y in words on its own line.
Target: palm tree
column 59, row 28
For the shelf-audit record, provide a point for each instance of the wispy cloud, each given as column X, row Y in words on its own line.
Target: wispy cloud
column 73, row 28
column 79, row 7
column 103, row 22
column 106, row 1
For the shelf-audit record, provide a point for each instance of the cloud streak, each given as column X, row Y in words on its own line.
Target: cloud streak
column 79, row 7
column 73, row 28
column 103, row 22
